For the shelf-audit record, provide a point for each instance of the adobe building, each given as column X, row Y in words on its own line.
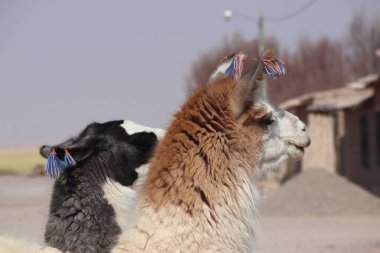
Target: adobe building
column 344, row 125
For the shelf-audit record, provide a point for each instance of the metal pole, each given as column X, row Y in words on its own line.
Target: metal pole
column 260, row 22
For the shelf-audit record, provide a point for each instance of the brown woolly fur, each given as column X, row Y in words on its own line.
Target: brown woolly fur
column 197, row 160
column 200, row 194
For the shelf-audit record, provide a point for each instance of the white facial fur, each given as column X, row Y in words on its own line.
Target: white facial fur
column 284, row 139
column 132, row 127
column 123, row 198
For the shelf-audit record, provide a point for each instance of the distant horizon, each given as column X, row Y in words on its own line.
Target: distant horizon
column 64, row 64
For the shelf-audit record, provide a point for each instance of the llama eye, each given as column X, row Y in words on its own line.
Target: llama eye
column 267, row 121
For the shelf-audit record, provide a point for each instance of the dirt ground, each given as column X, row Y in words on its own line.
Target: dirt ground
column 24, row 205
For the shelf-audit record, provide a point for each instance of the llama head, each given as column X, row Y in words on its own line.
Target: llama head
column 283, row 137
column 265, row 136
column 129, row 151
column 280, row 134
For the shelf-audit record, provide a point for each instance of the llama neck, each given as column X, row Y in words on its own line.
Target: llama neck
column 223, row 223
column 199, row 194
column 198, row 175
column 196, row 162
column 79, row 203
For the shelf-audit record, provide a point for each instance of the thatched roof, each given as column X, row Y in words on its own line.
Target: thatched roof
column 349, row 96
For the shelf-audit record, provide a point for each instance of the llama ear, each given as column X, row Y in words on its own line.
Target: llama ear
column 111, row 123
column 67, row 154
column 74, row 150
column 248, row 89
column 231, row 66
column 45, row 150
column 83, row 148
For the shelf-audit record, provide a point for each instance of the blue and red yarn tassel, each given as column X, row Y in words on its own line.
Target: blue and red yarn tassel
column 274, row 67
column 69, row 160
column 235, row 68
column 54, row 166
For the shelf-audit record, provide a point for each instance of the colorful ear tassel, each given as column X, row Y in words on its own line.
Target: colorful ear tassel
column 54, row 166
column 236, row 65
column 274, row 67
column 231, row 66
column 69, row 160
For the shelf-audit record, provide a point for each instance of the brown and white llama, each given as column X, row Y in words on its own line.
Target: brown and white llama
column 200, row 195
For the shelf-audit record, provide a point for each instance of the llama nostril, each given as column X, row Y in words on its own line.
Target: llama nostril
column 301, row 126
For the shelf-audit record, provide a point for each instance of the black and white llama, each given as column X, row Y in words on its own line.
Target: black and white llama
column 91, row 200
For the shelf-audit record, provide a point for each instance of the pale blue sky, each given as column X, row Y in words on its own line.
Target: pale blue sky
column 64, row 64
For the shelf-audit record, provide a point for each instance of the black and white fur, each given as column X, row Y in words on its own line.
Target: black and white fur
column 91, row 201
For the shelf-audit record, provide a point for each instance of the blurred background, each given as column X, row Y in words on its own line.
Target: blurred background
column 64, row 64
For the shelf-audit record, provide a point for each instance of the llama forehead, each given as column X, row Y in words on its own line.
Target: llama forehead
column 267, row 108
column 276, row 112
column 280, row 112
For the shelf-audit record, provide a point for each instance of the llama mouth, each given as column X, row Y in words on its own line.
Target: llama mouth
column 301, row 149
column 301, row 145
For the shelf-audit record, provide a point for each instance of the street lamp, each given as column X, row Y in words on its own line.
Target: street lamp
column 227, row 15
column 260, row 23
